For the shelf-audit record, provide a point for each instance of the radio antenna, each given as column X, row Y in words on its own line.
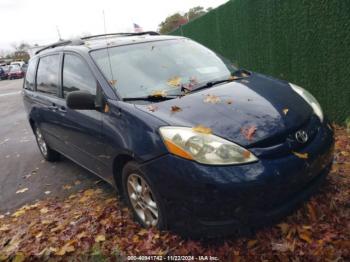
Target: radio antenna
column 112, row 81
column 59, row 34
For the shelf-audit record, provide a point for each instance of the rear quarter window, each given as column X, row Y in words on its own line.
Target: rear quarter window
column 29, row 82
column 47, row 76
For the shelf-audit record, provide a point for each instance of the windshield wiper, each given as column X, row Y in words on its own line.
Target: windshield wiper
column 213, row 83
column 153, row 98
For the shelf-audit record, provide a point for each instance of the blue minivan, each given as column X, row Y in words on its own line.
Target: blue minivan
column 191, row 142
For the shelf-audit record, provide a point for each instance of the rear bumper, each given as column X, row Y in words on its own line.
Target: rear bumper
column 218, row 200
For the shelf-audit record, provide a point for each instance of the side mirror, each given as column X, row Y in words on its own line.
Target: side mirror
column 81, row 100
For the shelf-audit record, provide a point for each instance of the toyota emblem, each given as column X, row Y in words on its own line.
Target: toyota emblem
column 301, row 136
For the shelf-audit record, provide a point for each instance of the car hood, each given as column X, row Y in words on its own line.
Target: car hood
column 258, row 102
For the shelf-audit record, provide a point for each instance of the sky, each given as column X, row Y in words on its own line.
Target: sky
column 36, row 21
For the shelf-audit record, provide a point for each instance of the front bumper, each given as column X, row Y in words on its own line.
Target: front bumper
column 218, row 200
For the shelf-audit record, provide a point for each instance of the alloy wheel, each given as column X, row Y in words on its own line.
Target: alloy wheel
column 142, row 199
column 41, row 142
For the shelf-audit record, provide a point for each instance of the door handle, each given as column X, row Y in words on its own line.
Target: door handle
column 62, row 109
column 53, row 107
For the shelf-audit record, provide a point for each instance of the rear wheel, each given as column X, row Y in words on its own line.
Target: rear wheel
column 142, row 197
column 48, row 153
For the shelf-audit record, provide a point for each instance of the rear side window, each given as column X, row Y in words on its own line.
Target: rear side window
column 47, row 76
column 77, row 76
column 30, row 75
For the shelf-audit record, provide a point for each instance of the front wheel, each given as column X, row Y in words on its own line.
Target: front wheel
column 48, row 153
column 142, row 197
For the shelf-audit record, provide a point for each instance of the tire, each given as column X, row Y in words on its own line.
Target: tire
column 48, row 153
column 147, row 207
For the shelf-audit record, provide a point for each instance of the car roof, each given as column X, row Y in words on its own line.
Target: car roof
column 100, row 42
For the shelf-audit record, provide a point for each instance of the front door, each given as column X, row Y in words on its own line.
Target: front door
column 82, row 129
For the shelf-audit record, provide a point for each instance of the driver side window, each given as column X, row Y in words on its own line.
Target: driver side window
column 77, row 76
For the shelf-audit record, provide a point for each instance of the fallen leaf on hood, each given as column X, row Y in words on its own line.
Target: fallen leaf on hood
column 152, row 108
column 213, row 99
column 175, row 109
column 159, row 93
column 112, row 82
column 229, row 101
column 285, row 111
column 249, row 132
column 233, row 77
column 174, row 81
column 301, row 155
column 22, row 190
column 202, row 129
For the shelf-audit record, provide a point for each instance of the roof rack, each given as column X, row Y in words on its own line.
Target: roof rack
column 81, row 42
column 61, row 43
column 121, row 34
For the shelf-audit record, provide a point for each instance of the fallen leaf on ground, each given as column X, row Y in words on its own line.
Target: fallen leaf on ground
column 251, row 243
column 202, row 129
column 47, row 192
column 67, row 187
column 100, row 238
column 44, row 210
column 22, row 190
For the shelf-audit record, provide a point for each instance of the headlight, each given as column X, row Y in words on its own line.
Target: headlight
column 310, row 99
column 204, row 148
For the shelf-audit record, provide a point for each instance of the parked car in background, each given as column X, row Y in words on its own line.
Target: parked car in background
column 19, row 63
column 190, row 141
column 15, row 72
column 3, row 73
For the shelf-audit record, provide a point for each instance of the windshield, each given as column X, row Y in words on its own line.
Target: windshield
column 160, row 67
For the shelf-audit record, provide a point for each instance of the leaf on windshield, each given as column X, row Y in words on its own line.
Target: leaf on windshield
column 159, row 93
column 175, row 109
column 249, row 132
column 174, row 81
column 229, row 101
column 112, row 82
column 213, row 99
column 233, row 77
column 301, row 155
column 202, row 129
column 152, row 108
column 285, row 111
